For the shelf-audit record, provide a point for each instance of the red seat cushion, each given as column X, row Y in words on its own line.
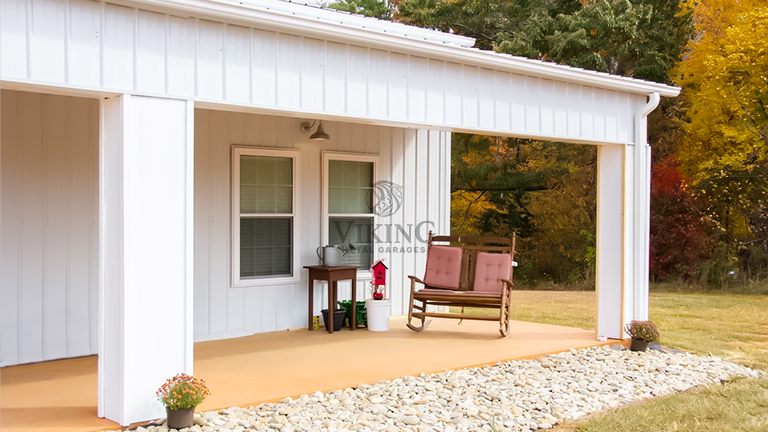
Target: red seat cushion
column 490, row 269
column 443, row 267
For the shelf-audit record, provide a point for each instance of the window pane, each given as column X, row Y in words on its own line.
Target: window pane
column 265, row 247
column 354, row 234
column 283, row 172
column 351, row 186
column 336, row 200
column 265, row 182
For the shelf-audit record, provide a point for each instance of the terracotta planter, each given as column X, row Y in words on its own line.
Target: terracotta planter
column 638, row 345
column 179, row 419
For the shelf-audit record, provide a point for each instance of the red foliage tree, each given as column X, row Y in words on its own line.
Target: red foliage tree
column 680, row 235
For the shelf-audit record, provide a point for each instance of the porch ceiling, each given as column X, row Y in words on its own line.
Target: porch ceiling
column 271, row 366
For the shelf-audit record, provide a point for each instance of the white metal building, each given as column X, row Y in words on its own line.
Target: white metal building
column 148, row 144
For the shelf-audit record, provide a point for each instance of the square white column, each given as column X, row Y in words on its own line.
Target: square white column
column 146, row 252
column 614, row 220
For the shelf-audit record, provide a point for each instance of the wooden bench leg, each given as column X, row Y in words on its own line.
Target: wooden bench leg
column 504, row 312
column 422, row 327
column 424, row 323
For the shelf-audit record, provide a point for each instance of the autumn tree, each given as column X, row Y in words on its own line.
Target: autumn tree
column 680, row 233
column 542, row 191
column 725, row 152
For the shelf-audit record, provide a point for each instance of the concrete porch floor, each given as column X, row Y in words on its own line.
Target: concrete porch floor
column 270, row 366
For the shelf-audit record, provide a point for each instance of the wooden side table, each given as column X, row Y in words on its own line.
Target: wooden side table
column 332, row 275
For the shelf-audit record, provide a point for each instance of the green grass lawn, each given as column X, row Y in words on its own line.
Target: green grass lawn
column 734, row 327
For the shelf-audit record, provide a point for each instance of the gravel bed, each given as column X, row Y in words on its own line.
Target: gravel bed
column 513, row 396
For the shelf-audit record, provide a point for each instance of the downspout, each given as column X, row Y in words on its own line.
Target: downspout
column 642, row 216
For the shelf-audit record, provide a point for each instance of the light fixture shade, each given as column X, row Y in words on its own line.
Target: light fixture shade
column 320, row 134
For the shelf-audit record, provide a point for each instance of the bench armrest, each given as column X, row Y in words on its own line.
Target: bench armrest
column 415, row 279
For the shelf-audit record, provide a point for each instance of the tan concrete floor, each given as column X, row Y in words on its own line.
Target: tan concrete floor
column 270, row 366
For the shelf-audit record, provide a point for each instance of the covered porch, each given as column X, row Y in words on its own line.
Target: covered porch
column 123, row 142
column 61, row 395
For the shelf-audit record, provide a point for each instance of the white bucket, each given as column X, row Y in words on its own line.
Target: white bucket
column 378, row 314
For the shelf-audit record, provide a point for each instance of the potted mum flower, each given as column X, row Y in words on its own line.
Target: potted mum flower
column 180, row 395
column 642, row 334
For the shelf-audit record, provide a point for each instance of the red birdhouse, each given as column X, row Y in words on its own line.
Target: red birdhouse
column 379, row 271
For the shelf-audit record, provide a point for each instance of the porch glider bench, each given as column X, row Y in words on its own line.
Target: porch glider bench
column 465, row 272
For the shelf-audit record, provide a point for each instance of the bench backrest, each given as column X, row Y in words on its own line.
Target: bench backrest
column 471, row 246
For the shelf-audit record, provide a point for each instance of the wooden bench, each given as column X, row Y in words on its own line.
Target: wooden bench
column 466, row 272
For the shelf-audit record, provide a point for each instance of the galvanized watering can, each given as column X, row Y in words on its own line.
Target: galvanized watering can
column 330, row 255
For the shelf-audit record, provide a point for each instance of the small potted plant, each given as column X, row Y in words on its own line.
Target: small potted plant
column 642, row 334
column 180, row 395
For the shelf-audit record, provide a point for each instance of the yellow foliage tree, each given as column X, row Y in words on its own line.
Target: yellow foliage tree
column 724, row 74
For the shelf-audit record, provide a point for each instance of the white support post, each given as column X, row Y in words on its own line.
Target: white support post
column 611, row 271
column 623, row 229
column 146, row 256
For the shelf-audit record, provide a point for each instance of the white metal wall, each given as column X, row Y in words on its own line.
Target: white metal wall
column 416, row 159
column 115, row 48
column 49, row 253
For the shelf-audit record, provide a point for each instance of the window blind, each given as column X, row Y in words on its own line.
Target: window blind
column 266, row 243
column 350, row 187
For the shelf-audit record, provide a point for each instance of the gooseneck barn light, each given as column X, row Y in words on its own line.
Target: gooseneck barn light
column 319, row 133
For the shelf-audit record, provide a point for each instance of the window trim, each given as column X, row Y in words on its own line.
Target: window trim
column 236, row 280
column 354, row 157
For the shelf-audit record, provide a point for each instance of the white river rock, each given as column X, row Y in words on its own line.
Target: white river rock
column 514, row 396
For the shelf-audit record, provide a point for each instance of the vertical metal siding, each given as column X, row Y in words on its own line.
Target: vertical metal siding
column 502, row 101
column 417, row 84
column 312, row 73
column 398, row 87
column 14, row 40
column 469, row 103
column 47, row 35
column 289, row 71
column 487, row 99
column 210, row 60
column 335, row 63
column 560, row 110
column 436, row 92
column 84, row 43
column 132, row 50
column 49, row 225
column 151, row 52
column 547, row 107
column 238, row 64
column 517, row 98
column 532, row 101
column 119, row 47
column 357, row 82
column 413, row 159
column 378, row 83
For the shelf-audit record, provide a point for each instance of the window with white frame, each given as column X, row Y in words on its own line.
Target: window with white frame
column 348, row 192
column 264, row 231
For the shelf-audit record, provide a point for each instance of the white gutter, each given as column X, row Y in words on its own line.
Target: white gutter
column 642, row 208
column 380, row 38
